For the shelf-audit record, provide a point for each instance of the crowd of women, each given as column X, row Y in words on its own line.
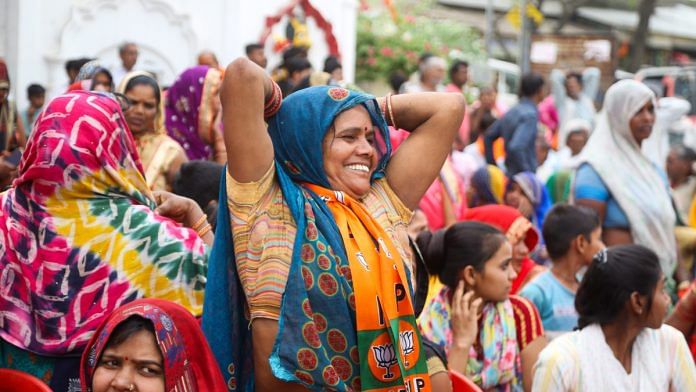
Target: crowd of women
column 348, row 244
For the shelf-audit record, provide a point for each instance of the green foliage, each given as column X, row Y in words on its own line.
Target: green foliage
column 385, row 46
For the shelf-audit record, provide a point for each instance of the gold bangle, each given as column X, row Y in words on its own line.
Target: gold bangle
column 199, row 223
column 205, row 230
column 391, row 114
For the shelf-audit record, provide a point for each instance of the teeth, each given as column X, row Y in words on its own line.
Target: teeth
column 361, row 168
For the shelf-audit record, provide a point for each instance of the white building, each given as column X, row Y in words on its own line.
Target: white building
column 38, row 36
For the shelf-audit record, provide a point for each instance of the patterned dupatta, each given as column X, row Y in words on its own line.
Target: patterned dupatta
column 498, row 367
column 189, row 114
column 189, row 365
column 78, row 232
column 324, row 340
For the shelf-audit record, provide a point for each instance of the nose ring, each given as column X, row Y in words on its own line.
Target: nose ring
column 131, row 387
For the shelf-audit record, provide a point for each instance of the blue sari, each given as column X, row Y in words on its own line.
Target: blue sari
column 317, row 327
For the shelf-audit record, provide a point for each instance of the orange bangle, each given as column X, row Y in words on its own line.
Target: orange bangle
column 206, row 229
column 199, row 223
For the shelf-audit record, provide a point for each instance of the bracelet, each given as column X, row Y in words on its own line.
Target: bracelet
column 272, row 104
column 389, row 108
column 199, row 223
column 205, row 230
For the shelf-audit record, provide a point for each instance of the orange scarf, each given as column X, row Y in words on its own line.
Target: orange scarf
column 385, row 318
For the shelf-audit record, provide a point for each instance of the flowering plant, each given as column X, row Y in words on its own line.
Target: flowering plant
column 386, row 45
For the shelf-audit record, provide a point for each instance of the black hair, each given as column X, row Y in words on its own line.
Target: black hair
column 128, row 328
column 297, row 64
column 616, row 273
column 424, row 56
column 144, row 80
column 574, row 75
column 331, row 64
column 564, row 223
column 447, row 252
column 685, row 153
column 531, row 84
column 76, row 64
column 200, row 181
column 252, row 47
column 396, row 79
column 455, row 67
column 34, row 90
column 294, row 52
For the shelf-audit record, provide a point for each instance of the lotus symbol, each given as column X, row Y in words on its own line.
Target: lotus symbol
column 385, row 358
column 406, row 340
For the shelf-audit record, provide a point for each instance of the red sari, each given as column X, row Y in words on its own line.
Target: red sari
column 189, row 365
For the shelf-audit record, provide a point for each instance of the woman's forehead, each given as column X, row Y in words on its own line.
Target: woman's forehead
column 355, row 116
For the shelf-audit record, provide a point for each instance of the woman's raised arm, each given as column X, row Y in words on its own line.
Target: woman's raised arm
column 433, row 119
column 243, row 94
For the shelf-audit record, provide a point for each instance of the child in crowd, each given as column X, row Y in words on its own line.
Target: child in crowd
column 573, row 236
column 36, row 95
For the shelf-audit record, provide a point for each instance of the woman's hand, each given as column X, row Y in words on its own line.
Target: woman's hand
column 184, row 211
column 177, row 208
column 464, row 322
column 464, row 317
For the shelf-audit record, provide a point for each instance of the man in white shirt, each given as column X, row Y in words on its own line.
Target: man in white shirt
column 128, row 52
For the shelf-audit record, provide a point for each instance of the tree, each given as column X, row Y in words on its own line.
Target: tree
column 640, row 37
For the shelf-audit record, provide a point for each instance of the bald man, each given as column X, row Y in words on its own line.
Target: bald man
column 208, row 58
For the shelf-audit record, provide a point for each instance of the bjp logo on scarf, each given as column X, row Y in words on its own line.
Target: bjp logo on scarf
column 384, row 357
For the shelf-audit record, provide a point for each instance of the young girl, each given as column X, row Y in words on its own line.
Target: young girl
column 491, row 337
column 622, row 344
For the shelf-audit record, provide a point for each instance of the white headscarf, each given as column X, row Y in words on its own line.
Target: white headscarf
column 631, row 178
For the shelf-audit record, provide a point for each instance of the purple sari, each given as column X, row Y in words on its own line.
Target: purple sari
column 190, row 110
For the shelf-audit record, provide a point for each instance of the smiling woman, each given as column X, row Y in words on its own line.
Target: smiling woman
column 307, row 200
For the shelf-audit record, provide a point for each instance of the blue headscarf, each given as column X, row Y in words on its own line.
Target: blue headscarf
column 297, row 132
column 537, row 194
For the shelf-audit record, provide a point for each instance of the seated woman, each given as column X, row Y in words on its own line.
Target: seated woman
column 93, row 77
column 315, row 210
column 160, row 155
column 192, row 113
column 81, row 234
column 487, row 186
column 149, row 345
column 622, row 344
column 630, row 194
column 521, row 235
column 525, row 192
column 491, row 337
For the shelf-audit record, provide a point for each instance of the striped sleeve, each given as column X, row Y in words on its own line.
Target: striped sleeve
column 683, row 376
column 527, row 321
column 557, row 368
